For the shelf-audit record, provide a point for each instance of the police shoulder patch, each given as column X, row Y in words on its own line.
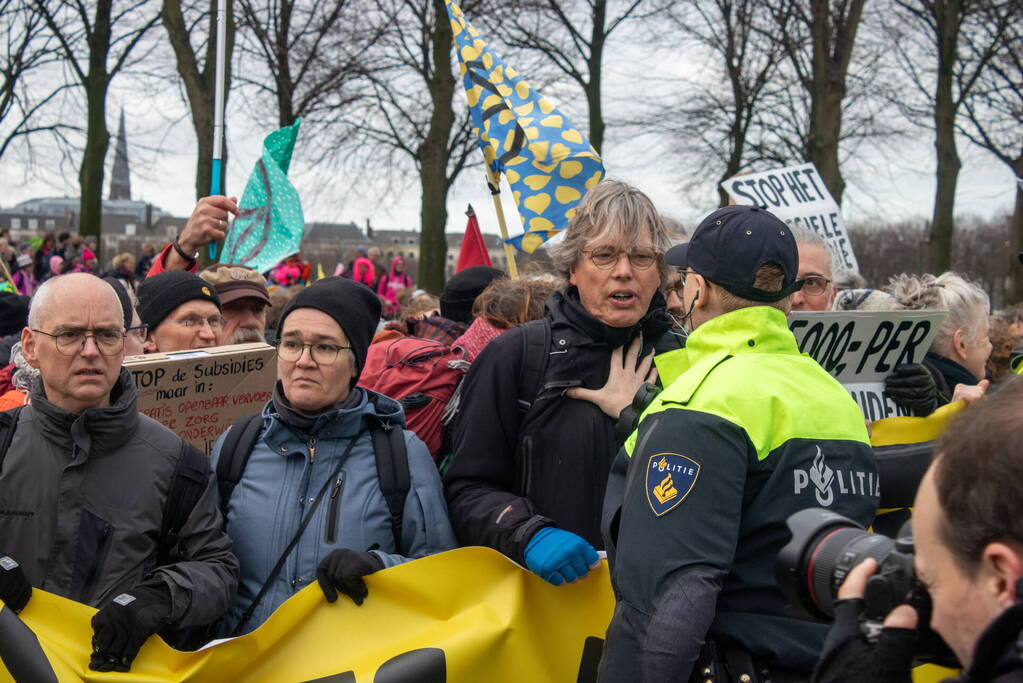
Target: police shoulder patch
column 669, row 479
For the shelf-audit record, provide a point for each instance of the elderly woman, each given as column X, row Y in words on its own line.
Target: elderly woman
column 310, row 501
column 960, row 349
column 531, row 463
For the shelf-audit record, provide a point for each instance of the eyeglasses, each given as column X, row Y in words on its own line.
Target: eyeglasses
column 108, row 342
column 139, row 331
column 216, row 322
column 322, row 353
column 815, row 285
column 641, row 258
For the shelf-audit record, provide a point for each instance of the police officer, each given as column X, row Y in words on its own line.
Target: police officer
column 746, row 432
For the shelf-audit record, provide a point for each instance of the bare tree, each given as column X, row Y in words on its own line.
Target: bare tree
column 412, row 117
column 928, row 37
column 994, row 118
column 28, row 50
column 818, row 37
column 715, row 120
column 573, row 36
column 196, row 67
column 95, row 52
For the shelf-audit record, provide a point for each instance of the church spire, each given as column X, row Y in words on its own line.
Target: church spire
column 120, row 181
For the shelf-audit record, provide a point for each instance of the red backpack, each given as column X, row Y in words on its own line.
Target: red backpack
column 421, row 374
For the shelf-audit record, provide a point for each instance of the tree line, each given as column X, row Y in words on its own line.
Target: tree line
column 376, row 83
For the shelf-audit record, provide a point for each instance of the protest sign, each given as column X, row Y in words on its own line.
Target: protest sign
column 197, row 394
column 861, row 348
column 797, row 194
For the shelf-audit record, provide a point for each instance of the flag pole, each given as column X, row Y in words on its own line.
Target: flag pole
column 218, row 111
column 509, row 250
column 7, row 275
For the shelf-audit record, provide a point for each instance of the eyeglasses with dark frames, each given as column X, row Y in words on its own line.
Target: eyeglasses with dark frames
column 71, row 341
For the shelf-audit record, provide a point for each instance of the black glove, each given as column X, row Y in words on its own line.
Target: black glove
column 342, row 570
column 15, row 590
column 912, row 386
column 124, row 623
column 848, row 657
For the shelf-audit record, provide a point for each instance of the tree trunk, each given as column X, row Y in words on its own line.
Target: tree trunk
column 1016, row 231
column 939, row 257
column 200, row 86
column 594, row 65
column 97, row 138
column 433, row 157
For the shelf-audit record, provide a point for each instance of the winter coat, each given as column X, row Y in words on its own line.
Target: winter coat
column 84, row 498
column 286, row 470
column 511, row 477
column 392, row 283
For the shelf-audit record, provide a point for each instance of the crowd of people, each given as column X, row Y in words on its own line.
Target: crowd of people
column 646, row 400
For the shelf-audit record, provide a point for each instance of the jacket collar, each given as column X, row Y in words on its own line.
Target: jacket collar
column 564, row 306
column 756, row 329
column 953, row 372
column 97, row 429
column 339, row 423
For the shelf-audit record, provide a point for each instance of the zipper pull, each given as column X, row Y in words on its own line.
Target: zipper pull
column 336, row 489
column 312, row 450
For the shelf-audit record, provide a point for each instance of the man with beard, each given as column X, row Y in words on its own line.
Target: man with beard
column 243, row 301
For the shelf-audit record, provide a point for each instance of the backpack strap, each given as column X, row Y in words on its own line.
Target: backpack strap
column 392, row 471
column 234, row 454
column 186, row 488
column 8, row 423
column 535, row 353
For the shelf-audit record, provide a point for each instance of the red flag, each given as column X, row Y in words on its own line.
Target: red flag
column 474, row 249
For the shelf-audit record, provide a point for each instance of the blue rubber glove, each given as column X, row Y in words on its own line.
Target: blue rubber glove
column 556, row 556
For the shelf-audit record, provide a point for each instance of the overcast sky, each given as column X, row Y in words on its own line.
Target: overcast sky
column 887, row 186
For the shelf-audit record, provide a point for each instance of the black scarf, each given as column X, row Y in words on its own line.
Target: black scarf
column 300, row 419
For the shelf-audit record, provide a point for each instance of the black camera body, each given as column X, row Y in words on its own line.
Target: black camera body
column 825, row 547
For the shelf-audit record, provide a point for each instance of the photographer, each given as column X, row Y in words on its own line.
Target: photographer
column 968, row 535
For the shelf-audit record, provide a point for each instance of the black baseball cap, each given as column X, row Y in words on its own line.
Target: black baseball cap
column 731, row 244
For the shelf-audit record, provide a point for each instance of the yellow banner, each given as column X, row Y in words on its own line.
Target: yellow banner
column 465, row 615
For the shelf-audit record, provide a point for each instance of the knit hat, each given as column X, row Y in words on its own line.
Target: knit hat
column 462, row 289
column 13, row 313
column 122, row 296
column 87, row 255
column 160, row 294
column 354, row 306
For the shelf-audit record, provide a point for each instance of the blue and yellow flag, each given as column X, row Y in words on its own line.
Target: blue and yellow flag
column 547, row 161
column 270, row 222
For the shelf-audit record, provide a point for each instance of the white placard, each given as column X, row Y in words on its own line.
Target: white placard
column 797, row 194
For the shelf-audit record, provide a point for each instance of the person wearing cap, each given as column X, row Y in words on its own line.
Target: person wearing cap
column 532, row 450
column 181, row 312
column 88, row 487
column 24, row 277
column 244, row 301
column 315, row 455
column 746, row 432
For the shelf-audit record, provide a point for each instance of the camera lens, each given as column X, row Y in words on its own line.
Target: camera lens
column 825, row 546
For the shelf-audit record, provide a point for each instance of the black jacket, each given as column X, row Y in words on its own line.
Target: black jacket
column 947, row 374
column 514, row 473
column 998, row 655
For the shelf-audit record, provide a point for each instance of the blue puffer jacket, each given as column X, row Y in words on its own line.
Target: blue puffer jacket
column 283, row 475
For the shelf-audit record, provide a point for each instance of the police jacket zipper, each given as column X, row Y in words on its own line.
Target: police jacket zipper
column 333, row 521
column 312, row 450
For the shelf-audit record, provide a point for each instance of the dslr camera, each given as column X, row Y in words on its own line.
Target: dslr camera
column 825, row 547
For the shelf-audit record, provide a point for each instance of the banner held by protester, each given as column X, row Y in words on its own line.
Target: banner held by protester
column 861, row 348
column 797, row 194
column 547, row 161
column 270, row 221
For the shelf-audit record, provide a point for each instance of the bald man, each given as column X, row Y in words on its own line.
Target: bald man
column 86, row 485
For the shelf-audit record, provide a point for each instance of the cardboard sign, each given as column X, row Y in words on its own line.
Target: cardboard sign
column 861, row 348
column 796, row 194
column 198, row 394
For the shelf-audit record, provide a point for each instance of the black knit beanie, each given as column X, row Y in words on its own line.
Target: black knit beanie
column 160, row 294
column 13, row 313
column 353, row 305
column 461, row 291
column 122, row 296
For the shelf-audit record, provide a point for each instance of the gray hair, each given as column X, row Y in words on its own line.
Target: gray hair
column 611, row 210
column 967, row 304
column 805, row 235
column 41, row 299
